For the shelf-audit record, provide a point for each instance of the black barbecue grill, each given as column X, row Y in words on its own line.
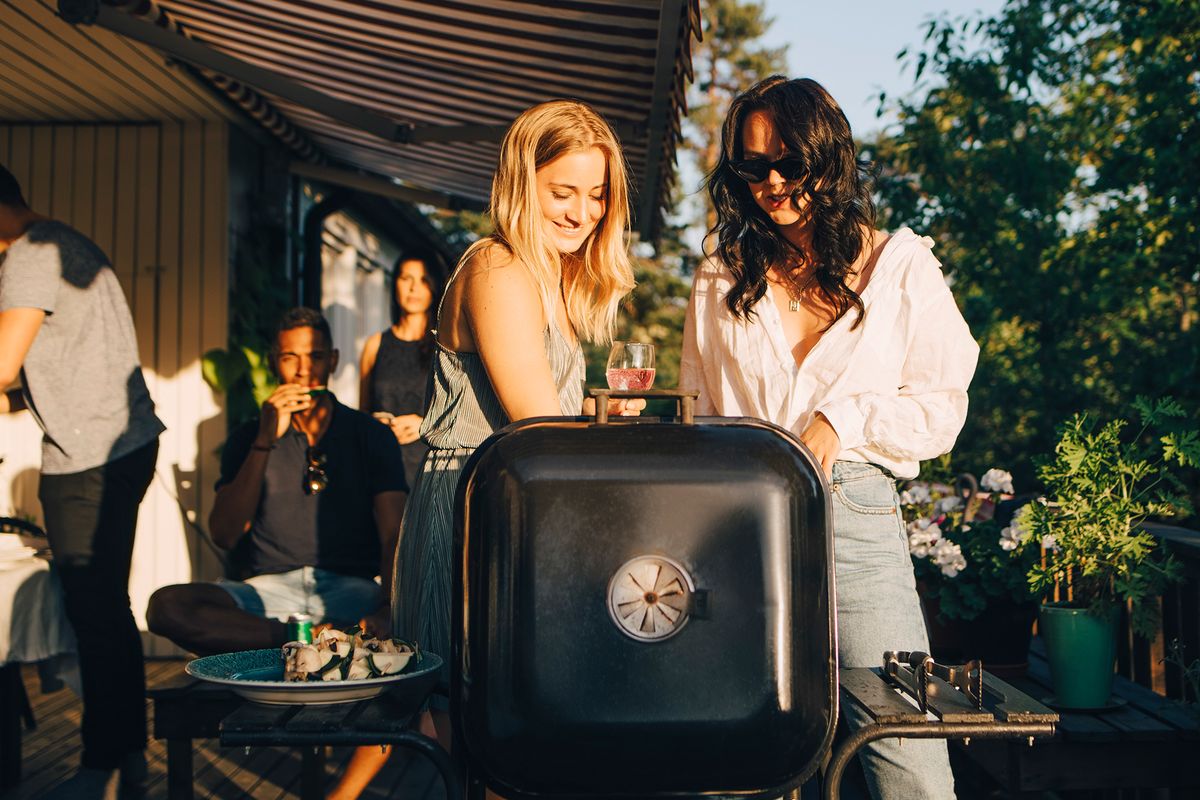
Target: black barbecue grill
column 646, row 609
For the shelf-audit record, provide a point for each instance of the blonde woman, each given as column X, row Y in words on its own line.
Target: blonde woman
column 508, row 343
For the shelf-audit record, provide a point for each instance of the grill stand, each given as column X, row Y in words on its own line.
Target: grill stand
column 926, row 730
column 998, row 712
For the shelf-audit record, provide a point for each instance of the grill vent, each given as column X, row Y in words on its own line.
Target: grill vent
column 649, row 598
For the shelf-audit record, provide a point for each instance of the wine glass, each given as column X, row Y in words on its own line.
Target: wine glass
column 630, row 366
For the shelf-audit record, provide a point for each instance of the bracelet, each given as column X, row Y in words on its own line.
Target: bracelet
column 263, row 448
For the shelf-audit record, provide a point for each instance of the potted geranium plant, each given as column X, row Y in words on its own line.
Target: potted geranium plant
column 968, row 556
column 1101, row 485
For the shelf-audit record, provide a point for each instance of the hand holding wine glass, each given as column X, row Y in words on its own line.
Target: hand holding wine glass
column 630, row 366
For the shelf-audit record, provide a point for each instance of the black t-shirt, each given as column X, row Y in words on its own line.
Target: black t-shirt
column 334, row 529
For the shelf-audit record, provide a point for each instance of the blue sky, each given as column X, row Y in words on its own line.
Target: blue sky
column 850, row 46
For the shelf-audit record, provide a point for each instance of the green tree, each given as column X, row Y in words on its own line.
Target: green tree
column 1056, row 163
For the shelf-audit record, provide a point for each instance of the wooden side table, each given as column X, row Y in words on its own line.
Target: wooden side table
column 1007, row 713
column 1145, row 741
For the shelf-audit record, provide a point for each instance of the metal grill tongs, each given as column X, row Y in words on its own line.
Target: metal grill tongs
column 966, row 678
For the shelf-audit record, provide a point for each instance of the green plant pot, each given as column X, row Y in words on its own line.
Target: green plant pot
column 1081, row 649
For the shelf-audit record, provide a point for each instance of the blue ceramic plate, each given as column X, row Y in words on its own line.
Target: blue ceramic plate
column 258, row 675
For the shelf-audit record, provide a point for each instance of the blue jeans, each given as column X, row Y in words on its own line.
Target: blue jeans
column 878, row 609
column 325, row 596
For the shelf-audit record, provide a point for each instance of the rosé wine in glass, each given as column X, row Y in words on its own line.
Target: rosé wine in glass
column 630, row 366
column 630, row 379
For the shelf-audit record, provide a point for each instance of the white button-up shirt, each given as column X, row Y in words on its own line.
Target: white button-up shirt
column 894, row 388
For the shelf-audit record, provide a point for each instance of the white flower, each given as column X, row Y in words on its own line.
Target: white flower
column 922, row 535
column 997, row 480
column 947, row 504
column 1049, row 542
column 925, row 524
column 1010, row 537
column 949, row 557
column 915, row 494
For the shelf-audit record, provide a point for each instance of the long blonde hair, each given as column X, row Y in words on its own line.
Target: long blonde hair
column 592, row 286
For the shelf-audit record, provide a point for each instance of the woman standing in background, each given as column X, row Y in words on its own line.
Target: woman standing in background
column 395, row 361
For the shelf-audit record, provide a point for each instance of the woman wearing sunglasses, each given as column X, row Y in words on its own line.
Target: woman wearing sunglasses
column 508, row 345
column 807, row 316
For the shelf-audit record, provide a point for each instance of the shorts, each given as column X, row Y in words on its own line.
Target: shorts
column 323, row 595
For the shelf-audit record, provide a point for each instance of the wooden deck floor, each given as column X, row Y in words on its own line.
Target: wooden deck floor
column 50, row 754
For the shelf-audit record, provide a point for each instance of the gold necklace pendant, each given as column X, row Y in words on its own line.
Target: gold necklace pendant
column 793, row 305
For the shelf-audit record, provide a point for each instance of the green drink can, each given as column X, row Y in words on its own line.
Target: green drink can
column 299, row 628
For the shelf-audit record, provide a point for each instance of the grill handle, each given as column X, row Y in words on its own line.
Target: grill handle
column 685, row 402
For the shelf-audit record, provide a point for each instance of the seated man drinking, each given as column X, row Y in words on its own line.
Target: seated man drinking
column 318, row 491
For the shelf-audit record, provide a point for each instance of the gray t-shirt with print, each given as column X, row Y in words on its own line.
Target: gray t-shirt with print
column 82, row 378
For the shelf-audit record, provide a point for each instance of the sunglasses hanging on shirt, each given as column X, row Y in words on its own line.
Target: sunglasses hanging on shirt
column 315, row 479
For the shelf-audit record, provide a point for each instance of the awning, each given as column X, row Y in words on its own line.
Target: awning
column 418, row 92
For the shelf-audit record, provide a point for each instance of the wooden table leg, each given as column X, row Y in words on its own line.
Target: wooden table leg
column 179, row 769
column 312, row 773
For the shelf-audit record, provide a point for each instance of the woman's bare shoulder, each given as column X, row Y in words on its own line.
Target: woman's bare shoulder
column 489, row 255
column 497, row 287
column 496, row 268
column 371, row 346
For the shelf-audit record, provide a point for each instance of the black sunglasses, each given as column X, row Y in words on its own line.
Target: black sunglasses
column 756, row 170
column 315, row 479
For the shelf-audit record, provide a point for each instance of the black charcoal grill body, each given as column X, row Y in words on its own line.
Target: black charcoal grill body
column 722, row 681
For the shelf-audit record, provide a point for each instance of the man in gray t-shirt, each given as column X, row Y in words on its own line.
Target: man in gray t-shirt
column 66, row 332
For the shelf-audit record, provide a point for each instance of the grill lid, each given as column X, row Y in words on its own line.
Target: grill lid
column 643, row 581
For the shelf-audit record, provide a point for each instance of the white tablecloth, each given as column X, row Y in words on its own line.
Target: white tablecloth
column 33, row 622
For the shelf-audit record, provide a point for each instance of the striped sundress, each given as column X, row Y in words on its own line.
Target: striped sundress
column 463, row 411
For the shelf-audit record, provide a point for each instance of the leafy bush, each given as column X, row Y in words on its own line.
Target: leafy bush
column 1101, row 485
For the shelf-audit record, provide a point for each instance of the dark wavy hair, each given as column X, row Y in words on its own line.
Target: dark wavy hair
column 435, row 275
column 815, row 130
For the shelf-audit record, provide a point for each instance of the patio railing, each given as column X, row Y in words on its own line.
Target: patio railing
column 1144, row 661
